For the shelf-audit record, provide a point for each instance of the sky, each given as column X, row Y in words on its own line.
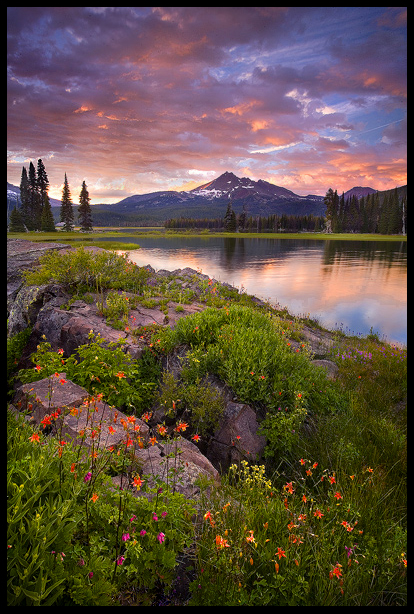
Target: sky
column 134, row 100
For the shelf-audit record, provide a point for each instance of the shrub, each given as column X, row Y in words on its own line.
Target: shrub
column 84, row 269
column 249, row 351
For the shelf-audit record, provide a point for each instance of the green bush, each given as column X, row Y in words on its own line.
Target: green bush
column 249, row 351
column 83, row 269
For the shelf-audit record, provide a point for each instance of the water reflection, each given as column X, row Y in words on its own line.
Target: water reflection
column 357, row 285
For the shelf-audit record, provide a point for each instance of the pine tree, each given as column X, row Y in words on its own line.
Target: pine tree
column 47, row 221
column 230, row 219
column 42, row 182
column 25, row 197
column 66, row 210
column 84, row 209
column 16, row 223
column 34, row 208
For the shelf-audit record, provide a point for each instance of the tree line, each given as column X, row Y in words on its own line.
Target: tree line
column 231, row 222
column 34, row 211
column 375, row 213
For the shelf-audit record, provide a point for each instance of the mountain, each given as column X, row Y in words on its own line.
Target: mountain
column 359, row 192
column 210, row 200
column 13, row 194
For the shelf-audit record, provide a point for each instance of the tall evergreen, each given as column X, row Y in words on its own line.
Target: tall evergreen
column 25, row 197
column 230, row 219
column 84, row 209
column 35, row 209
column 47, row 221
column 66, row 210
column 42, row 182
column 16, row 223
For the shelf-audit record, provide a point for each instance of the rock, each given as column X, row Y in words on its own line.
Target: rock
column 23, row 255
column 25, row 308
column 330, row 367
column 178, row 464
column 48, row 395
column 236, row 438
column 97, row 417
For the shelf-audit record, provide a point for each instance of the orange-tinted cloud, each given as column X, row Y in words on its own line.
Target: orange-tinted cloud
column 148, row 93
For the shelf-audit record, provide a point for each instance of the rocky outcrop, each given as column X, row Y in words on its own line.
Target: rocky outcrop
column 61, row 407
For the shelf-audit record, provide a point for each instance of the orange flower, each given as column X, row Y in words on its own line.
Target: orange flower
column 153, row 441
column 138, row 482
column 221, row 543
column 111, row 430
column 338, row 495
column 318, row 514
column 120, row 374
column 34, row 437
column 196, row 438
column 280, row 553
column 94, row 497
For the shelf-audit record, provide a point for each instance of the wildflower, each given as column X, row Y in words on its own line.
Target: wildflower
column 221, row 543
column 153, row 441
column 94, row 497
column 196, row 438
column 132, row 518
column 72, row 467
column 161, row 429
column 336, row 571
column 143, row 532
column 302, row 462
column 87, row 477
column 137, row 482
column 181, row 426
column 125, row 537
column 34, row 437
column 38, row 368
column 161, row 537
column 155, row 517
column 90, row 574
column 318, row 514
column 111, row 430
column 304, row 498
column 164, row 514
column 338, row 495
column 280, row 553
column 120, row 560
column 289, row 487
column 331, row 479
column 250, row 538
column 47, row 420
column 120, row 374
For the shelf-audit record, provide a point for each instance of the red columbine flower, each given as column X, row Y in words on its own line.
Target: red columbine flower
column 280, row 553
column 221, row 543
column 338, row 495
column 196, row 438
column 34, row 437
column 120, row 374
column 318, row 514
column 336, row 571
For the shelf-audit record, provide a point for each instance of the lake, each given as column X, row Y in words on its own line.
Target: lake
column 356, row 286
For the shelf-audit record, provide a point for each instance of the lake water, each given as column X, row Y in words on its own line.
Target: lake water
column 357, row 286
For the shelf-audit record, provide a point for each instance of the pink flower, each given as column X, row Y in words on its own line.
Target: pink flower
column 143, row 532
column 155, row 517
column 90, row 574
column 125, row 537
column 87, row 477
column 160, row 537
column 120, row 560
column 164, row 514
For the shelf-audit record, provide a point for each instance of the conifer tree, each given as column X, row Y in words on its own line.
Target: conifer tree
column 25, row 197
column 42, row 182
column 47, row 221
column 16, row 223
column 35, row 211
column 230, row 219
column 66, row 210
column 84, row 209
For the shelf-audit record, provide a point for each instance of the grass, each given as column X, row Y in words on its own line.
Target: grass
column 93, row 238
column 321, row 522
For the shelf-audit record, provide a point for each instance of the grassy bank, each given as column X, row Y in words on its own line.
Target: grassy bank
column 93, row 238
column 321, row 521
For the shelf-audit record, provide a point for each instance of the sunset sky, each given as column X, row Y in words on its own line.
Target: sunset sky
column 139, row 99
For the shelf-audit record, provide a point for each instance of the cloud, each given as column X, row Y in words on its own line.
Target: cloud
column 149, row 93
